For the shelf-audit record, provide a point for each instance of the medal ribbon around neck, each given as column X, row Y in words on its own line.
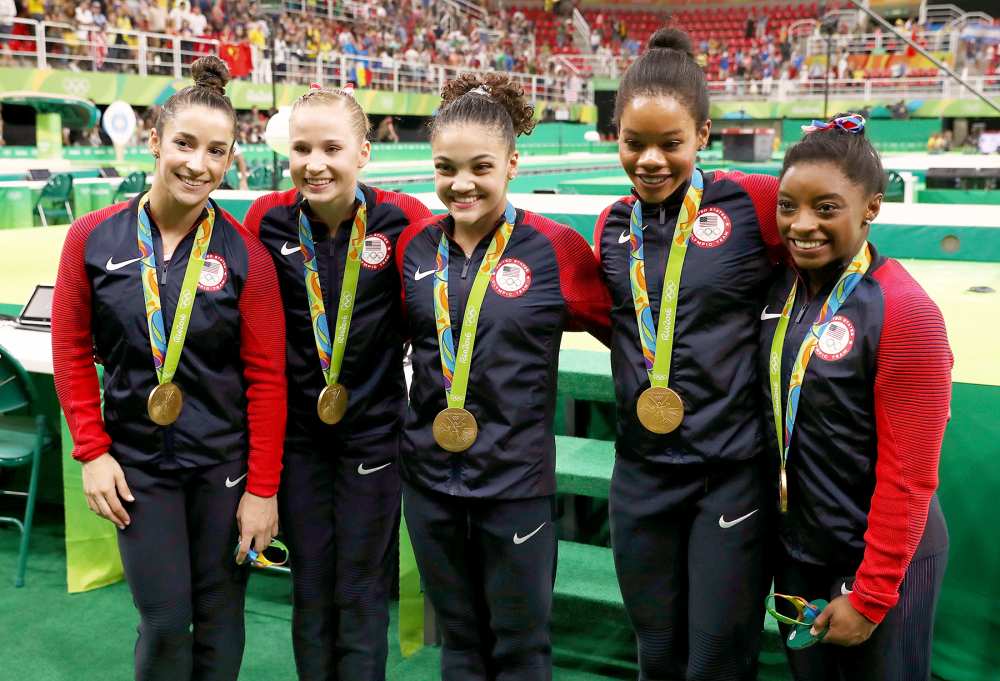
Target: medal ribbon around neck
column 167, row 351
column 658, row 342
column 331, row 353
column 455, row 367
column 848, row 281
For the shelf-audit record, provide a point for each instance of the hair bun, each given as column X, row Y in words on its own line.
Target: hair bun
column 671, row 39
column 499, row 89
column 211, row 73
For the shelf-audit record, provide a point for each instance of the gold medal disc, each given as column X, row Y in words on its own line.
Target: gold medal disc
column 660, row 410
column 164, row 404
column 455, row 429
column 332, row 404
column 783, row 491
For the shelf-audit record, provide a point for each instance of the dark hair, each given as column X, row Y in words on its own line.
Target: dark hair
column 667, row 67
column 210, row 75
column 851, row 152
column 474, row 98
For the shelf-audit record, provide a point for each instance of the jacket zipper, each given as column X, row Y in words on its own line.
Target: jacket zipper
column 456, row 460
column 332, row 269
column 465, row 285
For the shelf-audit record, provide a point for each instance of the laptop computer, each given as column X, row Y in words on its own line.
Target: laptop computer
column 37, row 313
column 39, row 174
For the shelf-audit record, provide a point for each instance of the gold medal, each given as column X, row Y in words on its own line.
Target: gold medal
column 455, row 429
column 660, row 410
column 332, row 403
column 783, row 491
column 164, row 404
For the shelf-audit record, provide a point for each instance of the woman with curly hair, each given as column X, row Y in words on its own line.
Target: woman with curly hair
column 489, row 290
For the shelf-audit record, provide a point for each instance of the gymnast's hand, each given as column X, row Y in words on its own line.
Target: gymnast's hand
column 848, row 627
column 257, row 520
column 104, row 486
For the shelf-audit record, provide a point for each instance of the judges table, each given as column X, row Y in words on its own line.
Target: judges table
column 92, row 559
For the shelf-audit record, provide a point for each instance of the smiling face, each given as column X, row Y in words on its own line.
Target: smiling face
column 473, row 165
column 326, row 153
column 194, row 152
column 658, row 142
column 823, row 217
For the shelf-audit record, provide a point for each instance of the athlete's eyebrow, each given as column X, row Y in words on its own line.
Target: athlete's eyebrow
column 666, row 133
column 480, row 157
column 189, row 136
column 822, row 197
column 332, row 140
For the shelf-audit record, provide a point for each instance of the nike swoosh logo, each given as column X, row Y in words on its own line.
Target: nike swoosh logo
column 233, row 483
column 521, row 540
column 765, row 315
column 844, row 590
column 418, row 275
column 624, row 237
column 112, row 266
column 368, row 471
column 726, row 524
column 288, row 250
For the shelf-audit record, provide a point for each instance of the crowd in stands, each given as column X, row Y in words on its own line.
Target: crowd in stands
column 734, row 44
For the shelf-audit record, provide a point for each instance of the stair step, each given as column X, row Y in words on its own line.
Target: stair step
column 589, row 628
column 583, row 466
column 586, row 375
column 587, row 573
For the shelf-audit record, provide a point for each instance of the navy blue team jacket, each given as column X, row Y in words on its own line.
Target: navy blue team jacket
column 864, row 454
column 729, row 262
column 372, row 370
column 545, row 283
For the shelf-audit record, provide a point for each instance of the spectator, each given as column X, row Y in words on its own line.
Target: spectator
column 387, row 131
column 178, row 17
column 36, row 9
column 197, row 21
column 8, row 12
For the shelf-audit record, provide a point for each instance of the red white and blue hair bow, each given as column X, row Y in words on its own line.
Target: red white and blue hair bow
column 852, row 123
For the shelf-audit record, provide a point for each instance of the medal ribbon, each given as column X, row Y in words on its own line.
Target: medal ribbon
column 851, row 277
column 658, row 342
column 167, row 351
column 331, row 354
column 455, row 367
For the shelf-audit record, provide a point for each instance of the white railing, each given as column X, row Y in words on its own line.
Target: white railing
column 341, row 10
column 865, row 43
column 939, row 14
column 469, row 9
column 64, row 46
column 402, row 76
column 869, row 90
column 969, row 19
column 581, row 32
column 593, row 64
column 802, row 28
column 57, row 45
column 569, row 65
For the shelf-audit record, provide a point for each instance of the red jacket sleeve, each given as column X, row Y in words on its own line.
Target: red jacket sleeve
column 412, row 208
column 602, row 219
column 912, row 395
column 763, row 191
column 73, row 343
column 587, row 299
column 411, row 231
column 262, row 349
column 260, row 207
